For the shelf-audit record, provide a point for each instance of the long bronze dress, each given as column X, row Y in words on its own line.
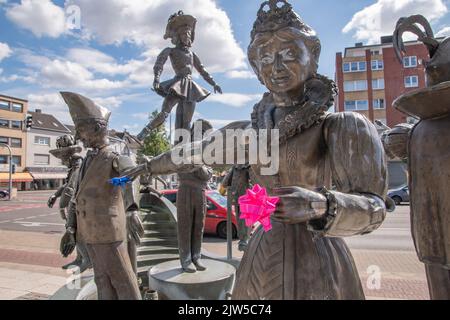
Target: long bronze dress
column 311, row 261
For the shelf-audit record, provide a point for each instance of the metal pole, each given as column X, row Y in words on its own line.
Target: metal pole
column 10, row 170
column 229, row 226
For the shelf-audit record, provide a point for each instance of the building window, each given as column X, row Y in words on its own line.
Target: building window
column 378, row 84
column 375, row 52
column 16, row 142
column 16, row 124
column 377, row 65
column 4, row 140
column 378, row 104
column 3, row 159
column 17, row 160
column 4, row 123
column 4, row 105
column 357, row 66
column 356, row 105
column 43, row 141
column 17, row 107
column 412, row 82
column 358, row 85
column 410, row 62
column 41, row 159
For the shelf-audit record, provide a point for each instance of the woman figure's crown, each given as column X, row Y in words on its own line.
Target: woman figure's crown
column 275, row 15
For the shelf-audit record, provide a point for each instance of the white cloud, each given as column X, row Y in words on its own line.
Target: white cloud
column 380, row 18
column 143, row 23
column 5, row 51
column 41, row 17
column 236, row 100
column 444, row 32
column 241, row 74
column 51, row 103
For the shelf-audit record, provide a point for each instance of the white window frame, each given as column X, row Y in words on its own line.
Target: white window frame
column 379, row 84
column 41, row 163
column 411, row 85
column 378, row 63
column 377, row 104
column 38, row 141
column 407, row 62
column 354, row 85
column 357, row 102
column 358, row 65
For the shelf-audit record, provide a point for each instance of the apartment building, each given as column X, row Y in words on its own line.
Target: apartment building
column 370, row 78
column 13, row 112
column 47, row 171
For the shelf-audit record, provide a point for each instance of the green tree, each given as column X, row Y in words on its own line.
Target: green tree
column 157, row 141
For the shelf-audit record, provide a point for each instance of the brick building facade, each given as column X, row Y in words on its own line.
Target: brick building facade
column 370, row 78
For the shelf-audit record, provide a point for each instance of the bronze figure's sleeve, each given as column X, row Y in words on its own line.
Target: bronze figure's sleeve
column 358, row 167
column 131, row 191
column 160, row 62
column 201, row 69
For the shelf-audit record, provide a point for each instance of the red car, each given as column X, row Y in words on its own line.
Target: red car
column 216, row 215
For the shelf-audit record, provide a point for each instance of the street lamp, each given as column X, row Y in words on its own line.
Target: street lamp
column 10, row 169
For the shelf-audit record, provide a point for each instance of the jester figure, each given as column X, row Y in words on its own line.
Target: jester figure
column 181, row 90
column 426, row 146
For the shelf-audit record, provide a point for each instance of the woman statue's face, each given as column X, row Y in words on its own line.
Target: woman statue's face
column 285, row 65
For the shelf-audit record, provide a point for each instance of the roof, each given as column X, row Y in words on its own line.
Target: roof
column 12, row 98
column 71, row 127
column 43, row 121
column 129, row 139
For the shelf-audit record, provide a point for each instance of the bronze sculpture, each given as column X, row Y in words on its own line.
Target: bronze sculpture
column 181, row 90
column 426, row 146
column 68, row 152
column 102, row 210
column 191, row 210
column 237, row 181
column 303, row 256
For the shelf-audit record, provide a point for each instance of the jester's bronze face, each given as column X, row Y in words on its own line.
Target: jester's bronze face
column 184, row 35
column 92, row 134
column 284, row 65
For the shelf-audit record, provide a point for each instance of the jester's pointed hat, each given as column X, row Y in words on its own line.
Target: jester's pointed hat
column 82, row 108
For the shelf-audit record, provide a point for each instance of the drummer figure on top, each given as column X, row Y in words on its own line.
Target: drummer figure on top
column 181, row 90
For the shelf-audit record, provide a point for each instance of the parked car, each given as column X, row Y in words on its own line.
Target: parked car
column 3, row 194
column 399, row 195
column 216, row 214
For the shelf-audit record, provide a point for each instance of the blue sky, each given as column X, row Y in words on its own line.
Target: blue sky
column 110, row 57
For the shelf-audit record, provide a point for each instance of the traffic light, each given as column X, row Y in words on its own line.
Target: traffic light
column 13, row 169
column 29, row 122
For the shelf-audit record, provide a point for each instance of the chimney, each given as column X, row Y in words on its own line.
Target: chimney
column 38, row 111
column 359, row 44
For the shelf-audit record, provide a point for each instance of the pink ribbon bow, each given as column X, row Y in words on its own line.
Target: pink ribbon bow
column 257, row 206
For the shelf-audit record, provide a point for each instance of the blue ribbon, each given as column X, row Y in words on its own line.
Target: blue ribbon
column 120, row 182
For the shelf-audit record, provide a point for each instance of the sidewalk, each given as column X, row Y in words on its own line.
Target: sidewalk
column 30, row 265
column 30, row 268
column 402, row 275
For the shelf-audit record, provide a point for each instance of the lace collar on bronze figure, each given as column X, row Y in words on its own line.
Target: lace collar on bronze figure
column 318, row 98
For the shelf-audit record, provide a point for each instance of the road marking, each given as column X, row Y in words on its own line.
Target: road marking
column 37, row 224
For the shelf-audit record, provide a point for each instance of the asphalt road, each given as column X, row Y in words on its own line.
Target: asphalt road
column 30, row 213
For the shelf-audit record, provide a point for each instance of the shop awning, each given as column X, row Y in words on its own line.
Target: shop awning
column 16, row 177
column 49, row 175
